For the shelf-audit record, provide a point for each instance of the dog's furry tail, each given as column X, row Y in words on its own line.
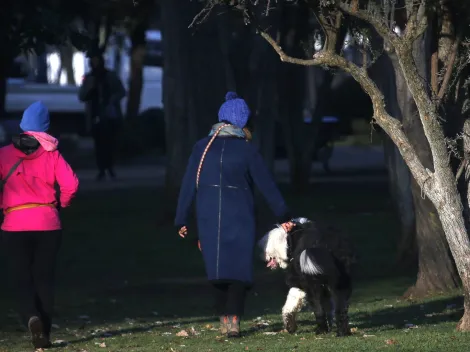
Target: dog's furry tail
column 317, row 262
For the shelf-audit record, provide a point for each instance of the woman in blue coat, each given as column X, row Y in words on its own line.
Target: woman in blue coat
column 221, row 174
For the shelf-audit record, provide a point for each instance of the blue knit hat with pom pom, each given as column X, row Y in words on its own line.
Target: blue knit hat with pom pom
column 234, row 111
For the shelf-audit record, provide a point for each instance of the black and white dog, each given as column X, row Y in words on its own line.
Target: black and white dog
column 318, row 271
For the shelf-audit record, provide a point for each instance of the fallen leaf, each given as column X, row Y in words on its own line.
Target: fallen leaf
column 354, row 330
column 247, row 348
column 209, row 326
column 390, row 342
column 182, row 333
column 102, row 344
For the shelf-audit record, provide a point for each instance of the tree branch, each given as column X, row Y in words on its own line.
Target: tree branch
column 389, row 124
column 417, row 24
column 449, row 68
column 353, row 10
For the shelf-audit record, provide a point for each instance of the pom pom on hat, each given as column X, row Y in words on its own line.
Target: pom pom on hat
column 235, row 110
column 231, row 96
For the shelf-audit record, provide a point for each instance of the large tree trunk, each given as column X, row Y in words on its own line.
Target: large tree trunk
column 299, row 137
column 194, row 85
column 136, row 79
column 382, row 71
column 436, row 268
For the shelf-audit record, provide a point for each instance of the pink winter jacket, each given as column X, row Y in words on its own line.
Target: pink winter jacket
column 33, row 182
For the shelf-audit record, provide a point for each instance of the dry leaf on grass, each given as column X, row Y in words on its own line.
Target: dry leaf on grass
column 182, row 333
column 390, row 342
column 354, row 330
column 101, row 344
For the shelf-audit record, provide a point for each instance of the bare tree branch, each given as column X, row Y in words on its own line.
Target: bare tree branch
column 389, row 124
column 384, row 31
column 449, row 68
column 417, row 23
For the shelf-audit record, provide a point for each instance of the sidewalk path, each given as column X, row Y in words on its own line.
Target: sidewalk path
column 345, row 161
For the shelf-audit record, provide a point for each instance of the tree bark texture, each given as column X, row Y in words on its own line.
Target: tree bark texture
column 436, row 268
column 383, row 73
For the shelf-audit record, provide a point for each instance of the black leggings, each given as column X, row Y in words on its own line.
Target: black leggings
column 31, row 257
column 230, row 297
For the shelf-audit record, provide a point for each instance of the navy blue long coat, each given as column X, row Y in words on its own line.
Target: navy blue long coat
column 225, row 204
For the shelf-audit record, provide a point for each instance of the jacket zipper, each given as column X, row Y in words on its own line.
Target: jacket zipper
column 220, row 210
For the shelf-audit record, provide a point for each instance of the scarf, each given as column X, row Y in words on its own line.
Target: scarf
column 230, row 130
column 48, row 142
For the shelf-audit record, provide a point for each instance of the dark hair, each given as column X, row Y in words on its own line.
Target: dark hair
column 25, row 143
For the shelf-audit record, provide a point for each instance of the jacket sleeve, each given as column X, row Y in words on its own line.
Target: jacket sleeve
column 187, row 191
column 85, row 90
column 264, row 181
column 67, row 180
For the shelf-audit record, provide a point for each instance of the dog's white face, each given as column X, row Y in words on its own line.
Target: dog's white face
column 274, row 247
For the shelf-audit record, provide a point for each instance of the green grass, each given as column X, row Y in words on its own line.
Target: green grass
column 111, row 296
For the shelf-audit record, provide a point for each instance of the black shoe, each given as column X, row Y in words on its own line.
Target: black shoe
column 38, row 337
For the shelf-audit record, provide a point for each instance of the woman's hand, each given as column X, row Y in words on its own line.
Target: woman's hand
column 288, row 226
column 183, row 232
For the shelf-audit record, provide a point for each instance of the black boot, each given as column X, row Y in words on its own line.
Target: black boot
column 38, row 336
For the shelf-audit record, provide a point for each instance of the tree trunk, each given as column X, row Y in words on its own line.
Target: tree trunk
column 66, row 64
column 436, row 268
column 41, row 76
column 382, row 71
column 194, row 86
column 136, row 79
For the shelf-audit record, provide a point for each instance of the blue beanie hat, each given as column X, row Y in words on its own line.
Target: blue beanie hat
column 35, row 118
column 234, row 111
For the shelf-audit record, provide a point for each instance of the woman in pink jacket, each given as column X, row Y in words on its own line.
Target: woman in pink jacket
column 31, row 229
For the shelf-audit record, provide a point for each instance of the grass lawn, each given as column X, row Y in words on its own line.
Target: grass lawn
column 112, row 293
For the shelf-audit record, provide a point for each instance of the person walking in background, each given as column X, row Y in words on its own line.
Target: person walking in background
column 221, row 174
column 31, row 229
column 102, row 92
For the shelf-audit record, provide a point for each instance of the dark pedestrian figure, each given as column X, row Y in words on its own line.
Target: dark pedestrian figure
column 102, row 91
column 221, row 174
